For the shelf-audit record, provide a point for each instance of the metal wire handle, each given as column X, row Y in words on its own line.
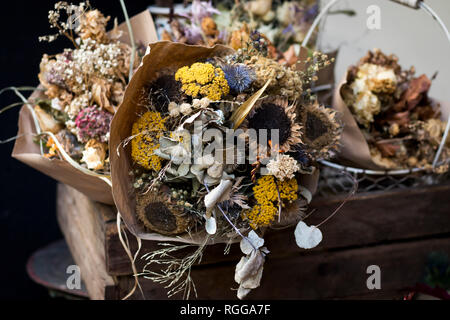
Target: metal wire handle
column 415, row 4
column 410, row 3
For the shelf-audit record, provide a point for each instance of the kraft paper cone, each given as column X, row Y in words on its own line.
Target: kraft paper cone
column 144, row 31
column 354, row 148
column 163, row 55
column 28, row 152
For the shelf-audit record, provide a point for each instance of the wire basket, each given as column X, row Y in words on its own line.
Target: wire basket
column 334, row 182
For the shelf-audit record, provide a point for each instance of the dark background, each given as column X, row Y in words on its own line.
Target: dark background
column 27, row 197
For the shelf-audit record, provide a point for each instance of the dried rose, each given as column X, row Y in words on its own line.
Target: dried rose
column 101, row 93
column 94, row 155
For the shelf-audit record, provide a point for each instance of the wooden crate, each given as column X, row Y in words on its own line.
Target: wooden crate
column 395, row 230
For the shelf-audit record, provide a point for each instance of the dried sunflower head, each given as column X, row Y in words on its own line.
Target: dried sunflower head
column 164, row 90
column 276, row 113
column 321, row 130
column 160, row 211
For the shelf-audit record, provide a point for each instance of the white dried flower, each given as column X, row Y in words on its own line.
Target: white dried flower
column 174, row 109
column 94, row 155
column 185, row 108
column 370, row 80
column 201, row 103
column 283, row 167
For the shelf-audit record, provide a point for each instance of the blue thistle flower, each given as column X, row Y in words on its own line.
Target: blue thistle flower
column 239, row 77
column 255, row 35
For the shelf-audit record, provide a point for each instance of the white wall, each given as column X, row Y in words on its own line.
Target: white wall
column 410, row 34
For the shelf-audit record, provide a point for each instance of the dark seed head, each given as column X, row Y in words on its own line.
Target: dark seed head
column 271, row 116
column 164, row 90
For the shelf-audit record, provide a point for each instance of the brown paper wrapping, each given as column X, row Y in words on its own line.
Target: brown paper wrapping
column 354, row 148
column 144, row 31
column 163, row 55
column 28, row 152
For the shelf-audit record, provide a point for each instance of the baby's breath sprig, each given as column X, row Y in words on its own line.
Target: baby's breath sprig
column 314, row 63
column 65, row 28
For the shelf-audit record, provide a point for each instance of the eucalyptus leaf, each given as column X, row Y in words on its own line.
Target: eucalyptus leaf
column 307, row 237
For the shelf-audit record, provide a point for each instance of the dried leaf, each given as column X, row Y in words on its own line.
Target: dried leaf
column 211, row 225
column 387, row 149
column 307, row 237
column 417, row 89
column 249, row 271
column 241, row 113
column 252, row 242
column 218, row 193
column 46, row 121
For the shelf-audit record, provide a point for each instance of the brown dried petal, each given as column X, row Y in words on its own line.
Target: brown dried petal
column 101, row 92
column 387, row 149
column 417, row 89
column 46, row 121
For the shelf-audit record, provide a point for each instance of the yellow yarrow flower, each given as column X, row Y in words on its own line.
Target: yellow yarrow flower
column 147, row 131
column 203, row 79
column 261, row 215
column 266, row 195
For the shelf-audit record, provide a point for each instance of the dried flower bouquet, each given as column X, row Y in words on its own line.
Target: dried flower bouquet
column 64, row 126
column 178, row 177
column 401, row 125
column 281, row 24
column 84, row 86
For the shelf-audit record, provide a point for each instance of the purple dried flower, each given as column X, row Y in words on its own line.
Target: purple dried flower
column 223, row 36
column 93, row 123
column 54, row 77
column 193, row 34
column 311, row 13
column 289, row 29
column 202, row 9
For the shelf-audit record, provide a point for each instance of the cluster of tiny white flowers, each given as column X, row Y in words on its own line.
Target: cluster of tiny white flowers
column 89, row 61
column 77, row 104
column 54, row 17
column 71, row 126
column 93, row 58
column 283, row 167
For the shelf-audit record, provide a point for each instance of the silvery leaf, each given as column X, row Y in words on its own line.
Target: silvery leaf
column 210, row 225
column 252, row 239
column 307, row 237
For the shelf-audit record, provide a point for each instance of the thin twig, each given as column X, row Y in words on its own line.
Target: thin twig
column 351, row 193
